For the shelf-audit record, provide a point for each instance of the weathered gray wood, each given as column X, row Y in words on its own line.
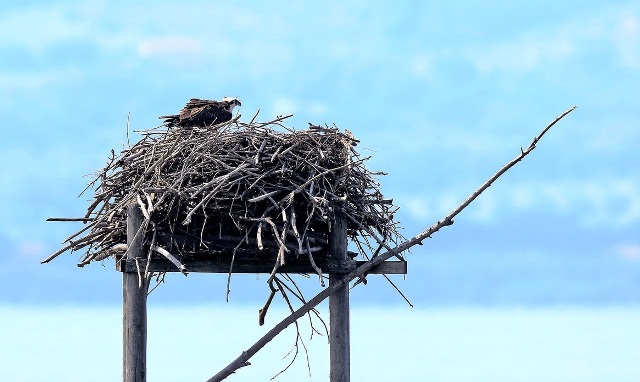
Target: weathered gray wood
column 134, row 306
column 339, row 339
column 253, row 266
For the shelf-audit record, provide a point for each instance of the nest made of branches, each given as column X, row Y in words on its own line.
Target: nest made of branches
column 259, row 190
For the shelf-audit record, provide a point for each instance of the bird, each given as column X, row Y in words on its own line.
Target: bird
column 203, row 112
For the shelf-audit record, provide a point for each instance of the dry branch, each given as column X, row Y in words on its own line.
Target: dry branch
column 243, row 359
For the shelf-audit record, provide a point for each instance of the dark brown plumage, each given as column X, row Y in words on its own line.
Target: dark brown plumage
column 203, row 112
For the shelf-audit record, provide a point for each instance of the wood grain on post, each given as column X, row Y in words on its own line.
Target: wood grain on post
column 134, row 305
column 339, row 343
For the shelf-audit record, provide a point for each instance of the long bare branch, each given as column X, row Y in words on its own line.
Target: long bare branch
column 243, row 359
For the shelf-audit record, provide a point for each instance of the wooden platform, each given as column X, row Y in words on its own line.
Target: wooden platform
column 259, row 266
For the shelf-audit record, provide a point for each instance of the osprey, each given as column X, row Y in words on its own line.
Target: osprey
column 203, row 112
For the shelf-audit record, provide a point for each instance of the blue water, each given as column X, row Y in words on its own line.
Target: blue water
column 401, row 344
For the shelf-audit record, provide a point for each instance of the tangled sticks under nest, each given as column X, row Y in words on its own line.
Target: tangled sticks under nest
column 235, row 189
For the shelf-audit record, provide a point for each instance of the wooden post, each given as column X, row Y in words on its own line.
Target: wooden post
column 134, row 306
column 339, row 346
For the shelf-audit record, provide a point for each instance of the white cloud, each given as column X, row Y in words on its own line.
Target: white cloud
column 416, row 207
column 525, row 53
column 47, row 25
column 613, row 203
column 284, row 106
column 557, row 195
column 11, row 82
column 612, row 134
column 628, row 251
column 110, row 28
column 169, row 46
column 429, row 207
column 316, row 108
column 421, row 65
column 626, row 37
column 32, row 250
column 40, row 28
column 604, row 28
column 522, row 197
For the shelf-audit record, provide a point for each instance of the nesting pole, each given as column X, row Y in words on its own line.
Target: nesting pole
column 226, row 218
column 134, row 305
column 339, row 346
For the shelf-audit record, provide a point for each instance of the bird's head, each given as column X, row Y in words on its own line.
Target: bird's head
column 231, row 102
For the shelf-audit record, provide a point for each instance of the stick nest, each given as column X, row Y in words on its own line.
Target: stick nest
column 258, row 190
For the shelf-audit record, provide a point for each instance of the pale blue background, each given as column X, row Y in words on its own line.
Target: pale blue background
column 444, row 345
column 440, row 93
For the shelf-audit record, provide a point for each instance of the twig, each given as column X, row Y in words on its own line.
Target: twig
column 313, row 263
column 69, row 219
column 281, row 287
column 254, row 117
column 262, row 313
column 171, row 258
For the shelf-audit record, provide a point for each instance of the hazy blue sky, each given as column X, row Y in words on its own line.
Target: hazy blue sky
column 443, row 93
